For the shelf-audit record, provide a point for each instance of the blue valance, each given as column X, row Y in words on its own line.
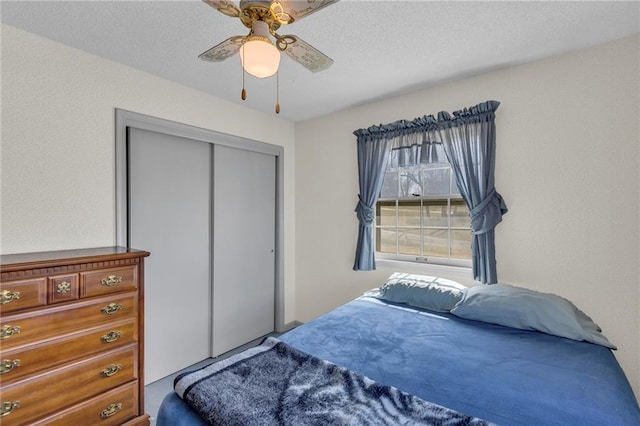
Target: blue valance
column 483, row 112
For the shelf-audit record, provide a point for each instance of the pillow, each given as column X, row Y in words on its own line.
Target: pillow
column 525, row 309
column 436, row 294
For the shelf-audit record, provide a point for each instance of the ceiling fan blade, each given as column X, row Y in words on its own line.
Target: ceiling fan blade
column 224, row 6
column 303, row 53
column 298, row 9
column 222, row 51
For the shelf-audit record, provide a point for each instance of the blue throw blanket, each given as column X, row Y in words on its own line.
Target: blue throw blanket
column 276, row 384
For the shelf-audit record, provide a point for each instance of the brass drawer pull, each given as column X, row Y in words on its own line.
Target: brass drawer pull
column 63, row 288
column 110, row 410
column 111, row 370
column 111, row 309
column 6, row 365
column 111, row 280
column 7, row 331
column 112, row 336
column 8, row 407
column 7, row 296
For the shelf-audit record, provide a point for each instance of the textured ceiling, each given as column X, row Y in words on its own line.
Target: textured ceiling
column 380, row 48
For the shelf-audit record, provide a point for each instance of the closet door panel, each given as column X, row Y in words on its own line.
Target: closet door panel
column 243, row 247
column 169, row 215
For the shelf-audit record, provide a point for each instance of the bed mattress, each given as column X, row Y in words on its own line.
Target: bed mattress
column 503, row 375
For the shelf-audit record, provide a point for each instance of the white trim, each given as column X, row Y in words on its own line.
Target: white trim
column 420, row 260
column 464, row 275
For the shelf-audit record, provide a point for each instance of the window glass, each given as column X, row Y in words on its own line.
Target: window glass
column 410, row 184
column 436, row 242
column 390, row 185
column 386, row 213
column 409, row 241
column 386, row 240
column 460, row 215
column 436, row 181
column 434, row 213
column 461, row 244
column 409, row 213
column 421, row 216
column 454, row 186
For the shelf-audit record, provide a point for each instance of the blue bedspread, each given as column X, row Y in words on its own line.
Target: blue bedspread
column 503, row 375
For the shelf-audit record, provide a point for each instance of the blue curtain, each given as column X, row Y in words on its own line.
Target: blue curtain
column 373, row 155
column 468, row 138
column 469, row 141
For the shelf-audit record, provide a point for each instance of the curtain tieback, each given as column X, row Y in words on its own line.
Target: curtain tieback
column 486, row 215
column 364, row 212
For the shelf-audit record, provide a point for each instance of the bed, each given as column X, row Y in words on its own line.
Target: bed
column 430, row 347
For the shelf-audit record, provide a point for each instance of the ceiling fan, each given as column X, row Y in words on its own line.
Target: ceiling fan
column 264, row 18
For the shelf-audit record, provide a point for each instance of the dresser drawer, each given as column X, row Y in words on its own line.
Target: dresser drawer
column 112, row 408
column 39, row 356
column 25, row 328
column 105, row 281
column 23, row 294
column 63, row 288
column 47, row 393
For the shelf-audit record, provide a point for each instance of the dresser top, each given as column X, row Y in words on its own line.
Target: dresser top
column 47, row 258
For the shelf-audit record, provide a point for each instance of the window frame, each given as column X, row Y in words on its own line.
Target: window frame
column 420, row 259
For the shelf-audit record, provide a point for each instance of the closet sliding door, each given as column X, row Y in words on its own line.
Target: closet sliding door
column 244, row 218
column 207, row 213
column 169, row 205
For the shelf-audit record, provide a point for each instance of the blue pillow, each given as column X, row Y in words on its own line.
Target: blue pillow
column 525, row 309
column 422, row 291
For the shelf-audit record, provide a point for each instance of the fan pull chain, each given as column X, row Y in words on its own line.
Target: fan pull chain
column 278, row 92
column 243, row 94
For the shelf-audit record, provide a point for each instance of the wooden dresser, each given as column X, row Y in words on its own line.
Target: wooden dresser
column 71, row 337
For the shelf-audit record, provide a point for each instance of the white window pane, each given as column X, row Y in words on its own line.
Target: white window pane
column 460, row 214
column 454, row 186
column 461, row 244
column 409, row 241
column 386, row 240
column 386, row 213
column 436, row 242
column 410, row 184
column 389, row 185
column 436, row 181
column 435, row 215
column 409, row 213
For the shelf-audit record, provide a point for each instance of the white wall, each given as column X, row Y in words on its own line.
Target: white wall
column 567, row 165
column 58, row 143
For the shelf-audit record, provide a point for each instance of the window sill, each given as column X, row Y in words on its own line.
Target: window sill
column 461, row 274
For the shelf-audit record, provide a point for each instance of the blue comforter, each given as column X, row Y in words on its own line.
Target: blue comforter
column 500, row 374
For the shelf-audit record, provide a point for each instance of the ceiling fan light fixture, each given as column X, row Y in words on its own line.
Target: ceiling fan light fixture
column 258, row 54
column 259, row 57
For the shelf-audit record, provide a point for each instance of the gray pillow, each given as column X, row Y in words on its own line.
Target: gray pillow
column 422, row 291
column 525, row 309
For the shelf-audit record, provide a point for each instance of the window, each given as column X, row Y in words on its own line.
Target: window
column 421, row 216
